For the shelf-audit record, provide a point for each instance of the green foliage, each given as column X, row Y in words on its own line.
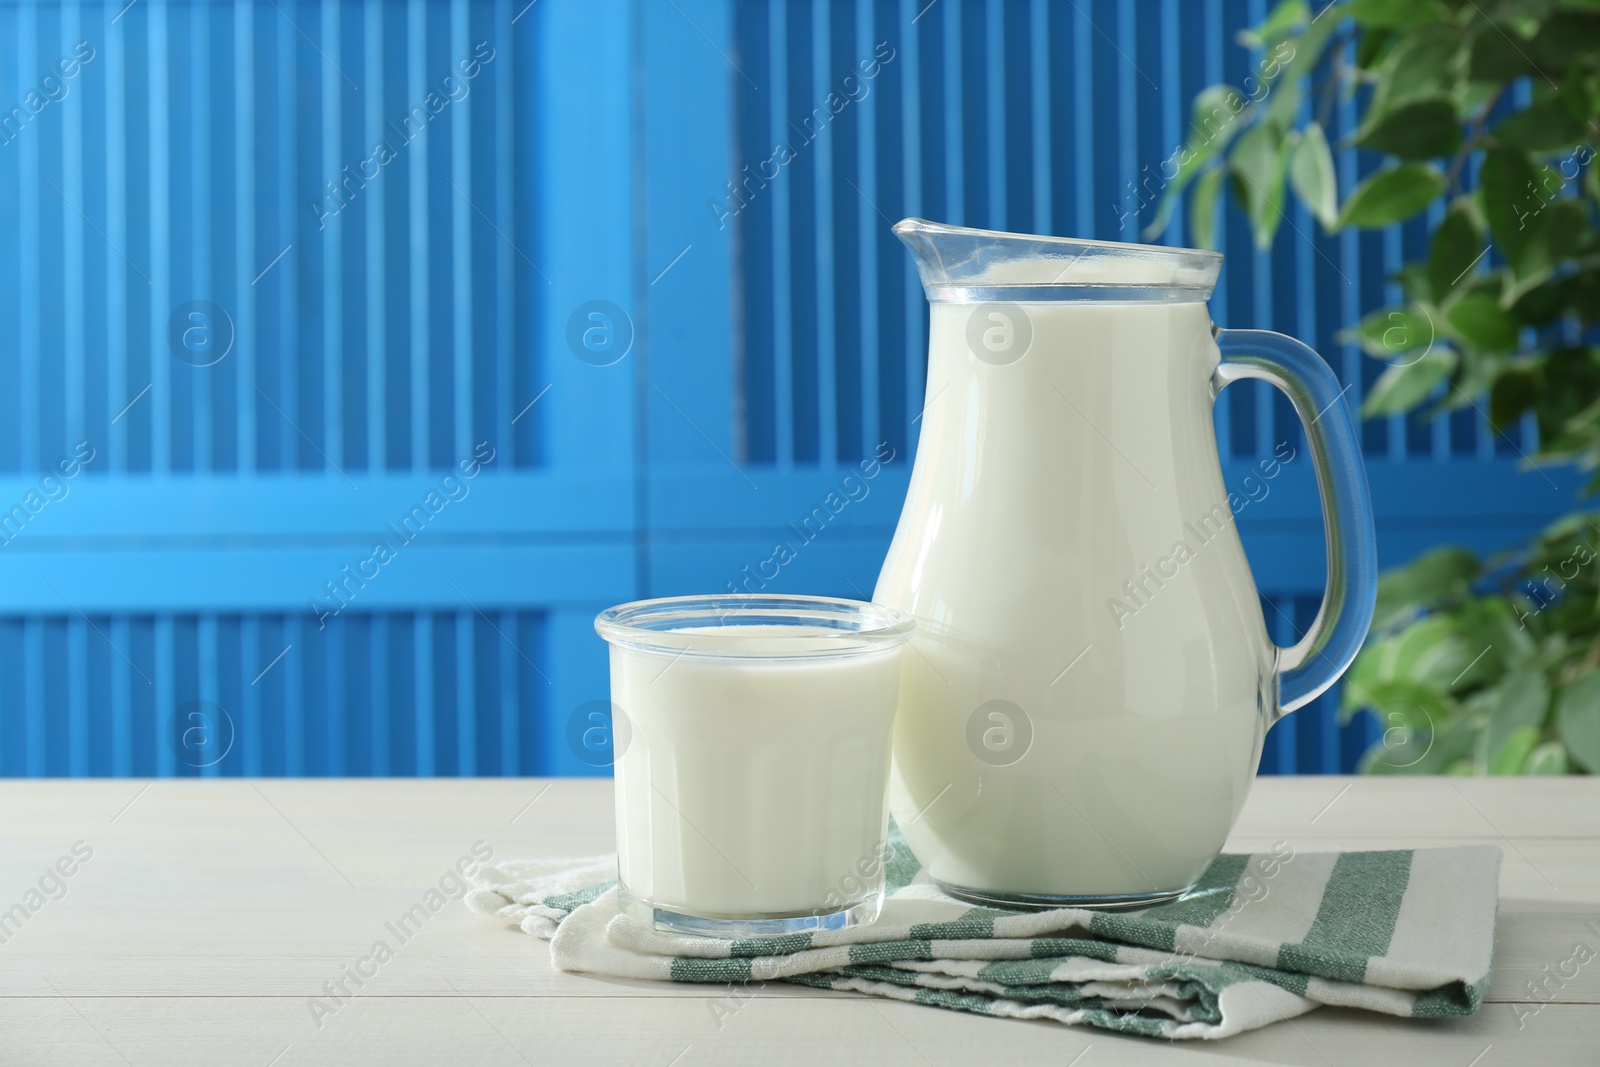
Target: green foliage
column 1473, row 666
column 1487, row 666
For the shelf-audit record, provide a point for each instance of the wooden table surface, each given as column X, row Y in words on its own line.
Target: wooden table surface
column 211, row 912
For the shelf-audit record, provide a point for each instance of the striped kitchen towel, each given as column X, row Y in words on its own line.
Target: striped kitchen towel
column 1263, row 937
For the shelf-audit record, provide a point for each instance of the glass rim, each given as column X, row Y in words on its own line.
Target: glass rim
column 824, row 627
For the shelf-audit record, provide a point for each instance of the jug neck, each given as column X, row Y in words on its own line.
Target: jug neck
column 970, row 266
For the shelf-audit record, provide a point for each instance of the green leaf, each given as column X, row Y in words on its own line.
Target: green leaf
column 1512, row 756
column 1578, row 720
column 1539, row 305
column 1548, row 758
column 1219, row 113
column 1477, row 373
column 1569, row 383
column 1283, row 104
column 1516, row 288
column 1523, row 699
column 1216, row 118
column 1257, row 161
column 1514, row 392
column 1443, row 572
column 1424, row 63
column 1429, row 653
column 1565, row 38
column 1312, row 176
column 1478, row 319
column 1280, row 22
column 1388, row 332
column 1399, row 751
column 1385, row 14
column 1456, row 247
column 1490, row 623
column 1544, row 126
column 1497, row 55
column 1391, row 195
column 1413, row 281
column 1424, row 129
column 1511, row 204
column 1299, row 55
column 1370, row 46
column 1203, row 207
column 1473, row 98
column 1405, row 385
column 1568, row 229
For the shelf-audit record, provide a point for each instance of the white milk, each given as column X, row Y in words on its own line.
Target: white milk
column 752, row 786
column 1023, row 521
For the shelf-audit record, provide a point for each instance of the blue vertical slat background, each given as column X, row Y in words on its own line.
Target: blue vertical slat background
column 386, row 319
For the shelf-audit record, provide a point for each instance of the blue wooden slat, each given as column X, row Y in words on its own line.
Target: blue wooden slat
column 782, row 225
column 294, row 693
column 822, row 78
column 1212, row 29
column 77, row 684
column 159, row 200
column 869, row 225
column 165, row 696
column 422, row 737
column 201, row 160
column 504, row 264
column 1130, row 82
column 251, row 760
column 461, row 243
column 34, row 720
column 376, row 248
column 911, row 134
column 466, row 694
column 73, row 304
column 210, row 691
column 29, row 295
column 510, row 706
column 418, row 250
column 122, row 681
column 13, row 313
column 333, row 714
column 1039, row 69
column 330, row 247
column 995, row 118
column 1083, row 105
column 1173, row 123
column 378, row 694
column 955, row 170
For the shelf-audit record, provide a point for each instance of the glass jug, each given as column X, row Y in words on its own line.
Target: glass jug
column 1083, row 705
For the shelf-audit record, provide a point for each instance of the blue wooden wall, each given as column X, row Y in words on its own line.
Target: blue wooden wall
column 282, row 268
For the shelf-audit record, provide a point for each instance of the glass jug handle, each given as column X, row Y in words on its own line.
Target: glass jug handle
column 1310, row 666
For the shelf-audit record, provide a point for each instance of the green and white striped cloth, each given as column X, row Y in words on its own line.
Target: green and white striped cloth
column 1262, row 938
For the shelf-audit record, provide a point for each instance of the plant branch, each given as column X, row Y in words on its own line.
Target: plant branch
column 1475, row 139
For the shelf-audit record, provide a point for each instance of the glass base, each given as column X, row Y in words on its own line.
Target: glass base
column 674, row 920
column 1048, row 902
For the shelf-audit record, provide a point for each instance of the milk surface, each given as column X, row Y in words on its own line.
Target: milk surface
column 1040, row 487
column 753, row 785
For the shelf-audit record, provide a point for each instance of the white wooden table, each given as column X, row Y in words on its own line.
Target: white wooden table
column 212, row 911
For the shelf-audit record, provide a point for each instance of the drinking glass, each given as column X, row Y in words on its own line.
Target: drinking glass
column 752, row 741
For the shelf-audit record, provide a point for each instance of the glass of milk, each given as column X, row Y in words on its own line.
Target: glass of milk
column 752, row 742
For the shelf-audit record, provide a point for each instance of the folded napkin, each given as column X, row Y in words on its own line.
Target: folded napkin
column 1263, row 937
